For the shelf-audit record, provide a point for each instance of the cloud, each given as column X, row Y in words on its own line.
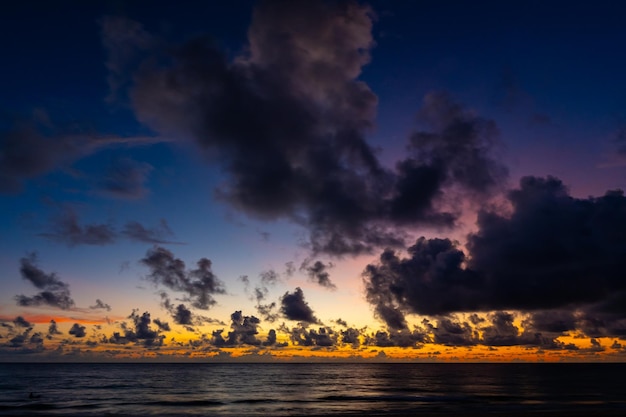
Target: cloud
column 198, row 285
column 126, row 179
column 100, row 305
column 68, row 230
column 287, row 122
column 55, row 292
column 267, row 279
column 322, row 337
column 244, row 331
column 20, row 321
column 351, row 336
column 157, row 235
column 552, row 251
column 400, row 338
column 318, row 272
column 53, row 329
column 142, row 332
column 294, row 307
column 163, row 326
column 77, row 330
column 182, row 315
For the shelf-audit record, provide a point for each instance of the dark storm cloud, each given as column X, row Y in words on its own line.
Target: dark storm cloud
column 100, row 305
column 318, row 272
column 157, row 235
column 126, row 179
column 552, row 251
column 459, row 143
column 199, row 285
column 294, row 307
column 55, row 292
column 77, row 330
column 287, row 122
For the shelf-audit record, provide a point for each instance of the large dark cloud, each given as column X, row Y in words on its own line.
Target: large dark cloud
column 294, row 307
column 551, row 252
column 199, row 285
column 55, row 292
column 287, row 122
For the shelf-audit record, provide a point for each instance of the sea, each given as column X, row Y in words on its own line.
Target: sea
column 312, row 389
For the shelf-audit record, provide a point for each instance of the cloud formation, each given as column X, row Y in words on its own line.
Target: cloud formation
column 294, row 307
column 287, row 122
column 100, row 305
column 55, row 292
column 77, row 330
column 551, row 252
column 318, row 273
column 159, row 234
column 142, row 333
column 66, row 228
column 198, row 285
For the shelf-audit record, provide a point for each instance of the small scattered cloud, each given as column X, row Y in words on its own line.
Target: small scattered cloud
column 55, row 293
column 294, row 307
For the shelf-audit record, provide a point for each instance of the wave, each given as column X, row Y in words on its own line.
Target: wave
column 186, row 403
column 399, row 398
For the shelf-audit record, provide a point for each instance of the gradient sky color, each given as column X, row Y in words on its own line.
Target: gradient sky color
column 298, row 180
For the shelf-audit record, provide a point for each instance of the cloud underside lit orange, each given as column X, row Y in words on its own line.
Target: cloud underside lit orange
column 37, row 343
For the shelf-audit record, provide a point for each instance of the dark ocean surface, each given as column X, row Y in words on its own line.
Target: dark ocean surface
column 313, row 389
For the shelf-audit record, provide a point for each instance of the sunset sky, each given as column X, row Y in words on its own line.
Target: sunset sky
column 298, row 180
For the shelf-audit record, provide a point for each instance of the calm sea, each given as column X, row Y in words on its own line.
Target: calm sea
column 312, row 389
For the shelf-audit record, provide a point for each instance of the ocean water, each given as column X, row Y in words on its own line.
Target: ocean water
column 313, row 389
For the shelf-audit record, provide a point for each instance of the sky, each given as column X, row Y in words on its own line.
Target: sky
column 312, row 181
